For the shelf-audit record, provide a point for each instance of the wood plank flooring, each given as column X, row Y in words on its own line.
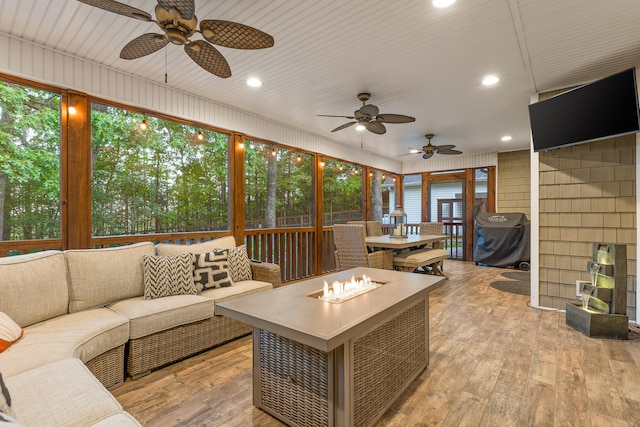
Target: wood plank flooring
column 494, row 361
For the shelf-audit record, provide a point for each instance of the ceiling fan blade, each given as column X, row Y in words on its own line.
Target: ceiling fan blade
column 234, row 35
column 119, row 8
column 344, row 126
column 449, row 152
column 395, row 118
column 376, row 127
column 186, row 7
column 406, row 154
column 208, row 58
column 344, row 117
column 427, row 156
column 444, row 147
column 369, row 110
column 143, row 46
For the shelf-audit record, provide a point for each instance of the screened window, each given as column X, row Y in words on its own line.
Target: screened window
column 163, row 177
column 29, row 163
column 278, row 187
column 343, row 195
column 382, row 189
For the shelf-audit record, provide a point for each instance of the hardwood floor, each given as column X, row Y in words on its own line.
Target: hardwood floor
column 494, row 361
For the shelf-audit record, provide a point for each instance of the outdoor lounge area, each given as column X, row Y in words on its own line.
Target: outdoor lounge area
column 231, row 213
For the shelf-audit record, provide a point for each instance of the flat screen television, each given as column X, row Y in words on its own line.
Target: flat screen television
column 602, row 109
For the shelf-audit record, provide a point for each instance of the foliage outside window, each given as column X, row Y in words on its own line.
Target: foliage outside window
column 278, row 187
column 162, row 179
column 342, row 198
column 29, row 163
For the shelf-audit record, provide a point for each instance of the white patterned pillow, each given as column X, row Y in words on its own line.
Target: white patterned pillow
column 211, row 270
column 168, row 275
column 10, row 331
column 239, row 264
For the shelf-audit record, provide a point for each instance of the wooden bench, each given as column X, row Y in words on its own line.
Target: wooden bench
column 430, row 260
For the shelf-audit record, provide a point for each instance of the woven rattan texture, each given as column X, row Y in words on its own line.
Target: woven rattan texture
column 168, row 346
column 266, row 272
column 432, row 228
column 374, row 228
column 385, row 360
column 294, row 380
column 351, row 249
column 108, row 367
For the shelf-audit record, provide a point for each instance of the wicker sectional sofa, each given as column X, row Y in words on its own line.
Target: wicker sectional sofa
column 87, row 325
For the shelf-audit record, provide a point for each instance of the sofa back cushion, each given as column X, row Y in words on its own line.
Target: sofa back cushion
column 226, row 242
column 98, row 277
column 33, row 287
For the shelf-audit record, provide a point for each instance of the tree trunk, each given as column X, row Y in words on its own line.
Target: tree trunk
column 376, row 196
column 270, row 214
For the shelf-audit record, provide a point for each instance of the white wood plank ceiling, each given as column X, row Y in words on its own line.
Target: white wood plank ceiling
column 414, row 59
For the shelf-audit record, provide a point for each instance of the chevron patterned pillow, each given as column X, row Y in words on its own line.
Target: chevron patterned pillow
column 212, row 270
column 168, row 275
column 239, row 264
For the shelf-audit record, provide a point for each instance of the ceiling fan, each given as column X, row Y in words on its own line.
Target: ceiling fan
column 178, row 21
column 368, row 117
column 429, row 150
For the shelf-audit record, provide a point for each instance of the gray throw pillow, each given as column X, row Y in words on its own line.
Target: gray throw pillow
column 211, row 270
column 168, row 275
column 239, row 264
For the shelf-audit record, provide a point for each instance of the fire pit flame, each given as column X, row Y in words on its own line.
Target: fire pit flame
column 343, row 291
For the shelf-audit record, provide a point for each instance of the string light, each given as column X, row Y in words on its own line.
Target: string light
column 199, row 136
column 273, row 152
column 321, row 164
column 72, row 110
column 143, row 125
column 299, row 158
column 241, row 145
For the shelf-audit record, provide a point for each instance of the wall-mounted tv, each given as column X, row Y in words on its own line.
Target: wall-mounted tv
column 602, row 109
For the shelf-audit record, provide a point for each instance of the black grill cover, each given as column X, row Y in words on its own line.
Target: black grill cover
column 501, row 239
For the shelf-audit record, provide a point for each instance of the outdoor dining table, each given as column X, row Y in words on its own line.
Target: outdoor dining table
column 410, row 241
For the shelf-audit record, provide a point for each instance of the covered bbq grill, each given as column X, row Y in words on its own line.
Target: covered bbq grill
column 502, row 239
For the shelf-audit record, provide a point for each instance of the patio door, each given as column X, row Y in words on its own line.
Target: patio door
column 446, row 204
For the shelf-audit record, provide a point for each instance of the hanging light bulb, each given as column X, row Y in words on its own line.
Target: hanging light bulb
column 72, row 110
column 340, row 167
column 200, row 136
column 273, row 152
column 241, row 145
column 143, row 125
column 299, row 158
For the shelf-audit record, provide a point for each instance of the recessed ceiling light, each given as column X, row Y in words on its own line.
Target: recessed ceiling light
column 254, row 82
column 443, row 3
column 506, row 138
column 490, row 80
column 360, row 128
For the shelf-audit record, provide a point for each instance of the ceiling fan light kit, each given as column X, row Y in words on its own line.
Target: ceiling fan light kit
column 368, row 117
column 429, row 150
column 179, row 23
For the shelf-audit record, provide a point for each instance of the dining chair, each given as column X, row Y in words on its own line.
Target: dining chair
column 351, row 249
column 374, row 228
column 433, row 228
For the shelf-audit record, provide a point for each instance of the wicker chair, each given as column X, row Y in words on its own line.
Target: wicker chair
column 432, row 228
column 351, row 249
column 374, row 228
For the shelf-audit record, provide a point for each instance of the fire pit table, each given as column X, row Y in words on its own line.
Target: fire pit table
column 336, row 360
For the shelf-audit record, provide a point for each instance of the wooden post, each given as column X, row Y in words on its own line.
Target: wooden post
column 76, row 172
column 237, row 190
column 317, row 171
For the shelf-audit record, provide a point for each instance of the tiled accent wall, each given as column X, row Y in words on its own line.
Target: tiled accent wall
column 587, row 195
column 514, row 182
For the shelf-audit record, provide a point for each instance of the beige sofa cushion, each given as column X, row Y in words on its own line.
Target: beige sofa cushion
column 62, row 393
column 33, row 287
column 98, row 277
column 239, row 289
column 122, row 419
column 150, row 316
column 84, row 335
column 226, row 242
